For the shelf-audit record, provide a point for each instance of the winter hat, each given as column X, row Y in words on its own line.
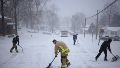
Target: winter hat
column 54, row 40
column 109, row 40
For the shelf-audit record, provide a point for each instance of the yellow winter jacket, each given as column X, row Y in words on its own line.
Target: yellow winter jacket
column 61, row 47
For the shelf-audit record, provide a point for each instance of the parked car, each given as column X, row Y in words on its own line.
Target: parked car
column 104, row 38
column 116, row 38
column 64, row 33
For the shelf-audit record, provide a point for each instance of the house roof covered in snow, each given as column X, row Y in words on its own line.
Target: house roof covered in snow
column 5, row 17
column 10, row 23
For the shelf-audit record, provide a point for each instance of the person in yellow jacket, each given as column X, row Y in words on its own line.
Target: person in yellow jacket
column 61, row 47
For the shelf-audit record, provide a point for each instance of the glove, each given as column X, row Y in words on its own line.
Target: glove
column 55, row 55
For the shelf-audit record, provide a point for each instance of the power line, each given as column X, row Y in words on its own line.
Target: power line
column 103, row 9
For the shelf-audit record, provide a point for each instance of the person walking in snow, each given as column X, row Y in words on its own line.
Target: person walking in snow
column 105, row 45
column 61, row 47
column 15, row 41
column 74, row 38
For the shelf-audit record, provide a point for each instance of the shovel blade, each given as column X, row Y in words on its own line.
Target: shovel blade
column 115, row 58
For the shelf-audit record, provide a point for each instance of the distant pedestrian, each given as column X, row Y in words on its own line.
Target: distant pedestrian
column 74, row 39
column 105, row 45
column 15, row 41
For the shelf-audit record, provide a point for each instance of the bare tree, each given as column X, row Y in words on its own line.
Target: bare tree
column 30, row 12
column 78, row 21
column 52, row 20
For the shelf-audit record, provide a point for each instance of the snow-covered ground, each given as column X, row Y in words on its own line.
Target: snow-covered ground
column 39, row 51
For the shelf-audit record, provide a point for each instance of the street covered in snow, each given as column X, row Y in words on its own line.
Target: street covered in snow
column 38, row 52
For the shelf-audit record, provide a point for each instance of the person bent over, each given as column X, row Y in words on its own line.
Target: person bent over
column 15, row 41
column 61, row 47
column 105, row 45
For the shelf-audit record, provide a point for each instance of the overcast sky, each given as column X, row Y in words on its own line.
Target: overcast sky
column 88, row 7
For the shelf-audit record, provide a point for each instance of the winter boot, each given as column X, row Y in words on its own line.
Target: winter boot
column 105, row 60
column 96, row 58
column 16, row 51
column 10, row 51
column 68, row 64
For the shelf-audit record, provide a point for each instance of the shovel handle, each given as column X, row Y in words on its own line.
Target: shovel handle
column 113, row 54
column 50, row 63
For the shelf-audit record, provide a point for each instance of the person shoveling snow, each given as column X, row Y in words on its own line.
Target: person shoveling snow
column 64, row 50
column 105, row 45
column 15, row 41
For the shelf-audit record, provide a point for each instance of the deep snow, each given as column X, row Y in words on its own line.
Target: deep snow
column 39, row 51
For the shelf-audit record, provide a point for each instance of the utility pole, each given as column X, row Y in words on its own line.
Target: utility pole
column 97, row 25
column 2, row 14
column 84, row 27
column 109, row 17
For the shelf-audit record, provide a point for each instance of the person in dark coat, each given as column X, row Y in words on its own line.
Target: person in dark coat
column 105, row 45
column 15, row 41
column 74, row 38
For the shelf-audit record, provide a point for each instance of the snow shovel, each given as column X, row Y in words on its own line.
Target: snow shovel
column 50, row 63
column 21, row 48
column 77, row 41
column 115, row 58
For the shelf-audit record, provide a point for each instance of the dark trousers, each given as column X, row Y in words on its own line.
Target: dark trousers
column 100, row 51
column 14, row 46
column 64, row 61
column 74, row 41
